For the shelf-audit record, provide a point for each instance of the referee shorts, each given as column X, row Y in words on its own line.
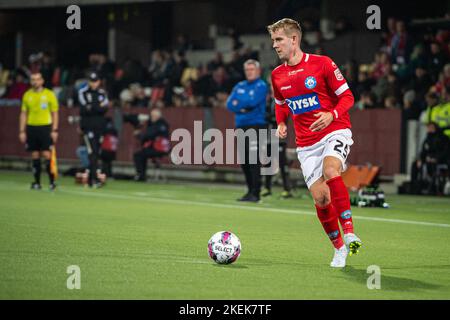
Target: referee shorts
column 38, row 138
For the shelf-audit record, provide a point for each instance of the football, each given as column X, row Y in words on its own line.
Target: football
column 224, row 247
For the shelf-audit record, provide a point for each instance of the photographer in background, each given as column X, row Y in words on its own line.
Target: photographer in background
column 93, row 107
column 154, row 143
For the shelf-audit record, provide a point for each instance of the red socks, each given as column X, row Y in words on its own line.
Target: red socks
column 341, row 202
column 327, row 216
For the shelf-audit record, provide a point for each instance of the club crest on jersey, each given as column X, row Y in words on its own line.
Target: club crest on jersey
column 304, row 103
column 310, row 82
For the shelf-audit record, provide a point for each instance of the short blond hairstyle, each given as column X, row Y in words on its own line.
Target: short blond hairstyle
column 288, row 25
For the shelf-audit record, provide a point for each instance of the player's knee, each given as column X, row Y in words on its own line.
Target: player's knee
column 330, row 172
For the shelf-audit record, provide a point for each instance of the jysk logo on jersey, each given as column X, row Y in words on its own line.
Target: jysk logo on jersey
column 304, row 103
column 310, row 82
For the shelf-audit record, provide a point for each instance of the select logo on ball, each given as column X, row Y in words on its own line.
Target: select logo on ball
column 224, row 247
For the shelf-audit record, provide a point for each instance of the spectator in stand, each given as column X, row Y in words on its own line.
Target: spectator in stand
column 390, row 102
column 436, row 60
column 389, row 34
column 154, row 143
column 47, row 69
column 17, row 87
column 216, row 62
column 400, row 45
column 381, row 66
column 366, row 101
column 443, row 80
column 411, row 110
column 140, row 99
column 420, row 83
column 218, row 89
column 365, row 83
column 393, row 86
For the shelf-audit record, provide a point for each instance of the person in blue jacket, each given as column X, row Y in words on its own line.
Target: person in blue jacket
column 248, row 102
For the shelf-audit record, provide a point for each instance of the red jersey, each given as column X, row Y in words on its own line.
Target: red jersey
column 314, row 85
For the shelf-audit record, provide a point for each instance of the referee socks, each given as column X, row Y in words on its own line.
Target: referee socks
column 36, row 166
column 50, row 174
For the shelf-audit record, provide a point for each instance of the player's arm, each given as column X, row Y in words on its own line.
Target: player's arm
column 281, row 111
column 234, row 101
column 104, row 104
column 336, row 82
column 23, row 121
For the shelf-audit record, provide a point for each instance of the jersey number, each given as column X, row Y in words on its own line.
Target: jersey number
column 342, row 148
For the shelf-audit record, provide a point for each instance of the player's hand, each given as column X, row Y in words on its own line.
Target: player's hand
column 325, row 118
column 22, row 137
column 54, row 136
column 282, row 130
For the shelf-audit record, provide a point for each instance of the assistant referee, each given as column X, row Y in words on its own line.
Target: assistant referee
column 39, row 126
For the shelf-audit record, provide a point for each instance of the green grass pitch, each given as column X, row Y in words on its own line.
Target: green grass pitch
column 149, row 241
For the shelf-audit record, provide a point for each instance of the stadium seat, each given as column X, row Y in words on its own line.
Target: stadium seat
column 357, row 177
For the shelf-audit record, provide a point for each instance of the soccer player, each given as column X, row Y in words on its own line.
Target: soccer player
column 312, row 89
column 38, row 126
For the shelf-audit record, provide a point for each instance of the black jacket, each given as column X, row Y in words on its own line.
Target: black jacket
column 93, row 107
column 159, row 128
column 436, row 146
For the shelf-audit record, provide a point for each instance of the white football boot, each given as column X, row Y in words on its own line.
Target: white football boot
column 352, row 242
column 340, row 255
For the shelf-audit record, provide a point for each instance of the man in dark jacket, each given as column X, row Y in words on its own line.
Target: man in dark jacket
column 93, row 107
column 154, row 141
column 434, row 155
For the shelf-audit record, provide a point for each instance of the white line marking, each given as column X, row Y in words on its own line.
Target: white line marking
column 251, row 208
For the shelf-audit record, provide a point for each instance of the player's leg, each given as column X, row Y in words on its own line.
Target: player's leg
column 93, row 145
column 245, row 166
column 140, row 162
column 36, row 168
column 267, row 190
column 33, row 147
column 284, row 171
column 328, row 218
column 332, row 168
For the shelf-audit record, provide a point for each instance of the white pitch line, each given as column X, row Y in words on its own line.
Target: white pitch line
column 251, row 208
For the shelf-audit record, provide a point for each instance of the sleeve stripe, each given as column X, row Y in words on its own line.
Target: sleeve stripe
column 336, row 114
column 341, row 89
column 279, row 102
column 81, row 95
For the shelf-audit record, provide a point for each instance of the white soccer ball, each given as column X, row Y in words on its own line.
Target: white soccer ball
column 224, row 247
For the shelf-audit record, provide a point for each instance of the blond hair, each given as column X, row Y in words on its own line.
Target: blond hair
column 288, row 25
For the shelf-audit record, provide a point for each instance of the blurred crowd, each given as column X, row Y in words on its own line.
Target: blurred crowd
column 410, row 71
column 167, row 81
